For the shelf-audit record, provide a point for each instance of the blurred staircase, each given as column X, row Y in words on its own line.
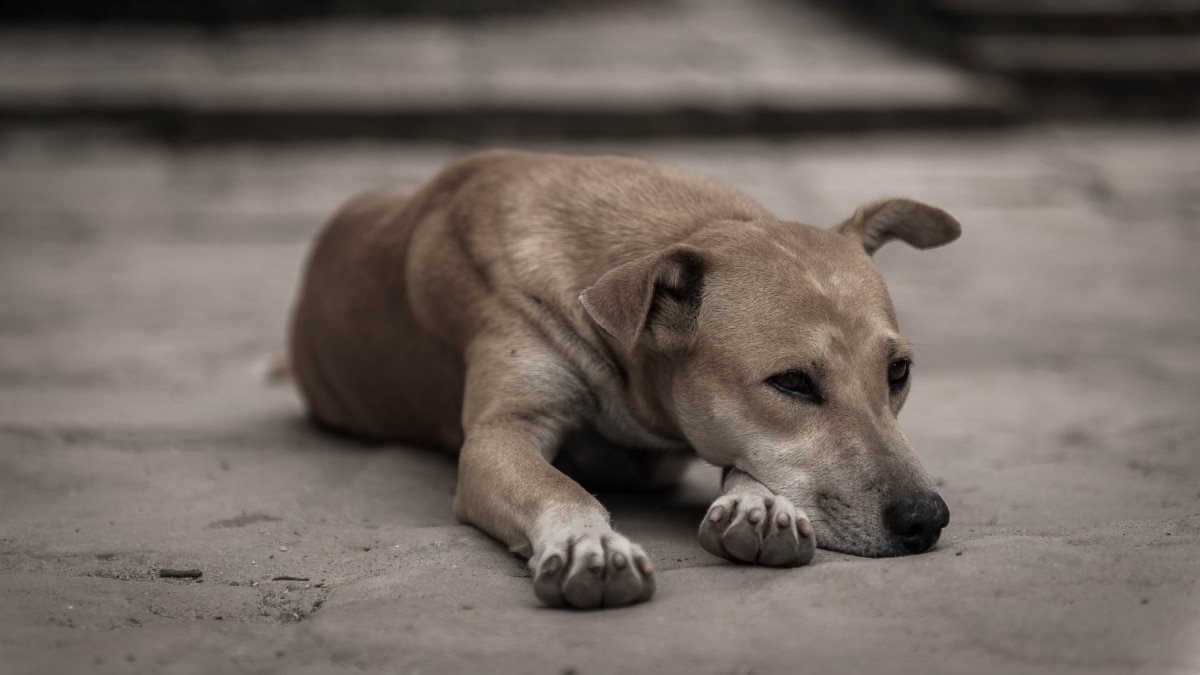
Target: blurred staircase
column 579, row 69
column 1125, row 57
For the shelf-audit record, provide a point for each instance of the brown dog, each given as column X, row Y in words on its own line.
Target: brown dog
column 518, row 299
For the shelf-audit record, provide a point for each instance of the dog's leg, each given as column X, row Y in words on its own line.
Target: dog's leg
column 521, row 399
column 750, row 524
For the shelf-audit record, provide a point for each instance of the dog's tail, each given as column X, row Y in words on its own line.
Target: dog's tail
column 275, row 370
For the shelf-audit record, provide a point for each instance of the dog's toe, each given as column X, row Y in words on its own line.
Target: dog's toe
column 584, row 587
column 742, row 538
column 642, row 562
column 547, row 580
column 623, row 584
column 787, row 539
column 716, row 522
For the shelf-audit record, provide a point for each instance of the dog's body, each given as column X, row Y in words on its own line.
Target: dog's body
column 519, row 298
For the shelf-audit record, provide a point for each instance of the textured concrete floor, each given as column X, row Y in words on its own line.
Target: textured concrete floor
column 141, row 288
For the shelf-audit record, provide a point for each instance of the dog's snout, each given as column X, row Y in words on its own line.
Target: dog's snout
column 917, row 520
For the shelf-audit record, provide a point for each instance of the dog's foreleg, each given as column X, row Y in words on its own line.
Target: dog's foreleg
column 520, row 402
column 750, row 524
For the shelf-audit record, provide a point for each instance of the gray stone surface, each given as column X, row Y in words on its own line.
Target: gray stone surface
column 694, row 65
column 142, row 288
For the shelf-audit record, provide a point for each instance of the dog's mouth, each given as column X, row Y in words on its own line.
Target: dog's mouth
column 882, row 546
column 909, row 525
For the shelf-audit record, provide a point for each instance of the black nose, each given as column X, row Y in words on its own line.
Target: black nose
column 917, row 519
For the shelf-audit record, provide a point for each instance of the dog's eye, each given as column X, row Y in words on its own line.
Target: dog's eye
column 795, row 383
column 898, row 373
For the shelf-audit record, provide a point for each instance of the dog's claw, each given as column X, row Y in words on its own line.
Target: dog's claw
column 553, row 565
column 806, row 529
column 752, row 529
column 755, row 516
column 591, row 571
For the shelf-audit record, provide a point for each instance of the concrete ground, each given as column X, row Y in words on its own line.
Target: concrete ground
column 1058, row 381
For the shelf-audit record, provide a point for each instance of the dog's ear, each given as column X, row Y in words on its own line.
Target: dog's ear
column 918, row 224
column 658, row 294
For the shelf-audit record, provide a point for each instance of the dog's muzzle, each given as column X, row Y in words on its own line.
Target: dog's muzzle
column 917, row 520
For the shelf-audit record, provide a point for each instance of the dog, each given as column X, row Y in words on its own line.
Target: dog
column 533, row 311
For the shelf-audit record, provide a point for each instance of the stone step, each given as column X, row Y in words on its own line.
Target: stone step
column 1090, row 71
column 1084, row 18
column 1066, row 7
column 1086, row 55
column 1073, row 56
column 686, row 68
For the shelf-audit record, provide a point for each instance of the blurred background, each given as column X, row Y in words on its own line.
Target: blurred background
column 463, row 69
column 165, row 165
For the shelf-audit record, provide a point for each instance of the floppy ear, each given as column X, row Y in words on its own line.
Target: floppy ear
column 659, row 294
column 918, row 224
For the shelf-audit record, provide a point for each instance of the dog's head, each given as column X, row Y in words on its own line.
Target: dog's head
column 773, row 348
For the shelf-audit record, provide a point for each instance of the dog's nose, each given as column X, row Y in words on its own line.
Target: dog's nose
column 917, row 519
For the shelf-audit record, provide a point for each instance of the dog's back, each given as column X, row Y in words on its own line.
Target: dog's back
column 396, row 284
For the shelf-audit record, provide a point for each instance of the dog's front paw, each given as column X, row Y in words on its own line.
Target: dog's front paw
column 750, row 528
column 591, row 570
